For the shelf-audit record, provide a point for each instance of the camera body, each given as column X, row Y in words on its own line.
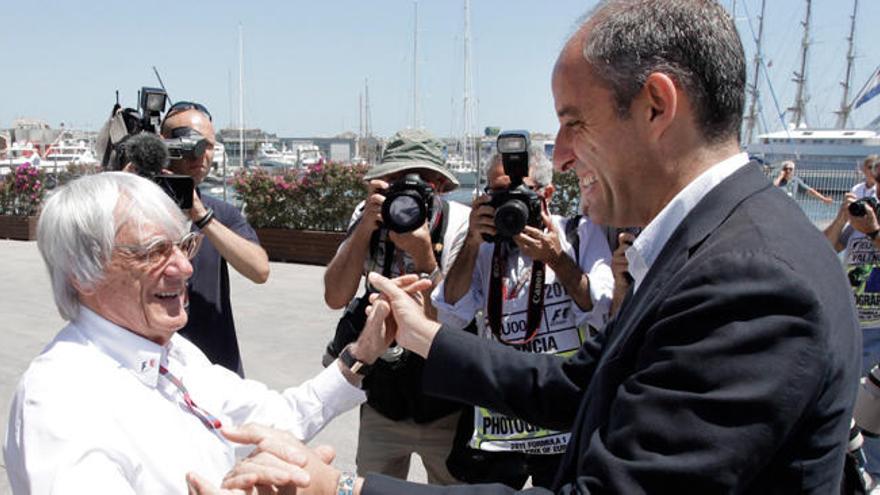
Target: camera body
column 859, row 208
column 408, row 202
column 517, row 206
column 186, row 143
column 514, row 209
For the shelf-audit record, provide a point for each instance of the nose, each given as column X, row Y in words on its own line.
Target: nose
column 179, row 266
column 563, row 158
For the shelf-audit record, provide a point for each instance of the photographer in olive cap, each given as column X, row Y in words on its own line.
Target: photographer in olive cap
column 398, row 418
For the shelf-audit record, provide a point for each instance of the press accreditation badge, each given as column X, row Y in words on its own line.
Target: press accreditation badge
column 863, row 272
column 557, row 335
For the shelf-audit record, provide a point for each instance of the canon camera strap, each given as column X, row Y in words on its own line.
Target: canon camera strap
column 496, row 297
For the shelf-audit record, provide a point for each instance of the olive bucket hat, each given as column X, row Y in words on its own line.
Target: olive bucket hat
column 412, row 150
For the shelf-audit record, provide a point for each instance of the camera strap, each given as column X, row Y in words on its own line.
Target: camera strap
column 496, row 297
column 439, row 223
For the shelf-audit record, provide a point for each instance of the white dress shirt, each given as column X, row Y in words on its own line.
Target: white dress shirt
column 93, row 415
column 650, row 242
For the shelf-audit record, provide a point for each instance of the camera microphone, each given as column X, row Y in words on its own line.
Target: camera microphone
column 147, row 153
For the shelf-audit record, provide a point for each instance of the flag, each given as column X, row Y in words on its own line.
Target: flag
column 871, row 90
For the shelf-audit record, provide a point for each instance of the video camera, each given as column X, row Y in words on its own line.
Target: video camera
column 133, row 137
column 516, row 206
column 408, row 202
column 859, row 208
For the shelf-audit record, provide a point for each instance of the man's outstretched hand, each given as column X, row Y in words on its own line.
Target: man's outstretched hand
column 414, row 330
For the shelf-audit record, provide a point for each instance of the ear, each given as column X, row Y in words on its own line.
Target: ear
column 660, row 104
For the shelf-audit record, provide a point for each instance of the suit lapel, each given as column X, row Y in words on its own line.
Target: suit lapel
column 704, row 219
column 707, row 215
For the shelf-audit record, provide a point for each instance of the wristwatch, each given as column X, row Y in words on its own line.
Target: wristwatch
column 357, row 367
column 873, row 235
column 434, row 276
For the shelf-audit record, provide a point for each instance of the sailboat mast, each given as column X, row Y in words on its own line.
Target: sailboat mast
column 415, row 71
column 752, row 118
column 467, row 145
column 845, row 105
column 368, row 131
column 798, row 115
column 240, row 98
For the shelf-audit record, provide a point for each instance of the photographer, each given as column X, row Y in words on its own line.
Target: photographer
column 856, row 228
column 228, row 238
column 576, row 290
column 398, row 419
column 790, row 183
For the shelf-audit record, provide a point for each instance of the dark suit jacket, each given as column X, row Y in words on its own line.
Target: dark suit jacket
column 733, row 369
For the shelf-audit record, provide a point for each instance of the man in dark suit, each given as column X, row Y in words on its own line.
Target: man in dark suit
column 733, row 362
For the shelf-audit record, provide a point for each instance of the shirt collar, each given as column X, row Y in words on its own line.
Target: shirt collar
column 133, row 352
column 653, row 238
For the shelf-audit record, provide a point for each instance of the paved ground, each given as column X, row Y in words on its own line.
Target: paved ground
column 282, row 327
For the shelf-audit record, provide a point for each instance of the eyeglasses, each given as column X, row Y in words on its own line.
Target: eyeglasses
column 787, row 169
column 161, row 249
column 182, row 106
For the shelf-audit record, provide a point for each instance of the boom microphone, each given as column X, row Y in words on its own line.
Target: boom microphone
column 147, row 153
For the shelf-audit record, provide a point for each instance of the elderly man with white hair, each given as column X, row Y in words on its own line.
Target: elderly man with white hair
column 117, row 402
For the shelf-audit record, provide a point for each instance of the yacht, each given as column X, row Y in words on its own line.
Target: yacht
column 306, row 155
column 68, row 152
column 18, row 154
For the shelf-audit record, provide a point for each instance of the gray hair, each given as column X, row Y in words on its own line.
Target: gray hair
column 540, row 167
column 78, row 225
column 695, row 42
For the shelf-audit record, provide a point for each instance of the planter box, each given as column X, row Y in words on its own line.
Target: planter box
column 21, row 228
column 300, row 246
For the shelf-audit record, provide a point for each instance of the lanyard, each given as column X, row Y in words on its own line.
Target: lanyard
column 496, row 298
column 209, row 420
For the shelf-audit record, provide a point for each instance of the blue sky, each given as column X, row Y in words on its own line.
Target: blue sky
column 305, row 61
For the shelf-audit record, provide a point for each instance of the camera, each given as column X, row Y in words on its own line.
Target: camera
column 517, row 206
column 408, row 202
column 133, row 137
column 186, row 143
column 859, row 208
column 867, row 409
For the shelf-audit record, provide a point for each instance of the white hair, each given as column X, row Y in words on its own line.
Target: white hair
column 540, row 167
column 78, row 225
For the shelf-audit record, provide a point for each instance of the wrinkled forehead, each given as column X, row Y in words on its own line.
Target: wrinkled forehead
column 139, row 221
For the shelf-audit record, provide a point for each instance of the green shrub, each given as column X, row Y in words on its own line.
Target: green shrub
column 22, row 190
column 321, row 197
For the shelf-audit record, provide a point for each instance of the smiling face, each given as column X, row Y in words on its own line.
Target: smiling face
column 600, row 146
column 143, row 290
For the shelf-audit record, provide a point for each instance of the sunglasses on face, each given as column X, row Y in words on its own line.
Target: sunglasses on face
column 787, row 169
column 182, row 106
column 160, row 250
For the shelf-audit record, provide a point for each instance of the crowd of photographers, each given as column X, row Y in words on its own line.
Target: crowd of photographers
column 699, row 384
